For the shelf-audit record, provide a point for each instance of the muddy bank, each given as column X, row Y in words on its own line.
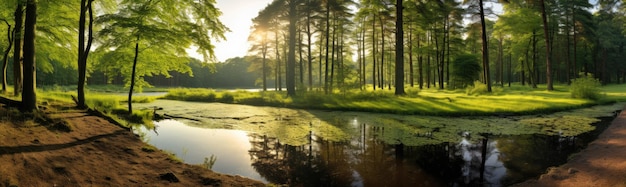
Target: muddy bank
column 94, row 153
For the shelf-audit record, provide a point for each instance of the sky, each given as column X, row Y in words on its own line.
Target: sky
column 237, row 15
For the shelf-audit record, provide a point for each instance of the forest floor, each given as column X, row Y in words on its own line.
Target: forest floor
column 94, row 153
column 602, row 163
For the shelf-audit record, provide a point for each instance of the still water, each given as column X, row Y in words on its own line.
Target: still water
column 364, row 159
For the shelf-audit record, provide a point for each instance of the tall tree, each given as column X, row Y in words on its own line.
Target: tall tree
column 291, row 58
column 29, row 98
column 17, row 48
column 5, row 57
column 83, row 49
column 486, row 72
column 546, row 35
column 399, row 49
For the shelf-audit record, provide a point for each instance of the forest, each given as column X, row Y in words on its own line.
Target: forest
column 314, row 44
column 330, row 92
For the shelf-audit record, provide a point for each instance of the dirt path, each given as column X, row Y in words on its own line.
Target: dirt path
column 94, row 153
column 602, row 163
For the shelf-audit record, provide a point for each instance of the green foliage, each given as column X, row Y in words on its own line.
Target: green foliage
column 478, row 88
column 227, row 98
column 465, row 70
column 163, row 33
column 586, row 87
column 412, row 92
column 185, row 94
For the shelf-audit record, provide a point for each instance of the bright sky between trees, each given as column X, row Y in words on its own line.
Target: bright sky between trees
column 237, row 15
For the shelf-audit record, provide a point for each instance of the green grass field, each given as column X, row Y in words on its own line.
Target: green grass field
column 516, row 100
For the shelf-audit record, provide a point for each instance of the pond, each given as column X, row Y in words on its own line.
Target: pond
column 324, row 148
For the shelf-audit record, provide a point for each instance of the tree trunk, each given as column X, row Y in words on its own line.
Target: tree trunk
column 381, row 77
column 486, row 73
column 17, row 50
column 420, row 64
column 332, row 56
column 132, row 77
column 399, row 50
column 5, row 58
column 291, row 56
column 264, row 61
column 309, row 57
column 411, row 72
column 548, row 50
column 29, row 98
column 327, row 47
column 83, row 51
column 374, row 50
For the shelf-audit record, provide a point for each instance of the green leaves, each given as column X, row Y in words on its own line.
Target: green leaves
column 165, row 29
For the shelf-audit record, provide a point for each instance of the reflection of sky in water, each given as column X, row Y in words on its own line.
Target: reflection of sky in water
column 193, row 144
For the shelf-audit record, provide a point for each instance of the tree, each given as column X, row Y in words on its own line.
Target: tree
column 486, row 72
column 83, row 49
column 17, row 49
column 5, row 57
column 544, row 18
column 291, row 58
column 162, row 32
column 399, row 49
column 465, row 70
column 29, row 98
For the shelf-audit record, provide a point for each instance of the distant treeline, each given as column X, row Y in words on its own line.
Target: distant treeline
column 230, row 74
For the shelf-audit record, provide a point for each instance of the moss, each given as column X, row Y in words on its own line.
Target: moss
column 293, row 126
column 149, row 149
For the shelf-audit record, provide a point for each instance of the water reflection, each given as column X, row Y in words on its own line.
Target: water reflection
column 366, row 160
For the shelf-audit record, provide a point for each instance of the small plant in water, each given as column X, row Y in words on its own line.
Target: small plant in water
column 209, row 162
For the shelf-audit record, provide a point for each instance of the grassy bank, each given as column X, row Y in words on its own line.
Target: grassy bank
column 516, row 100
column 110, row 104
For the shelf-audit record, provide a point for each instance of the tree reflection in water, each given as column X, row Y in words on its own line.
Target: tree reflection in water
column 365, row 160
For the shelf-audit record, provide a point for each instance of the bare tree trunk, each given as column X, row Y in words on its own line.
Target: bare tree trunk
column 291, row 56
column 548, row 50
column 264, row 61
column 309, row 56
column 17, row 50
column 420, row 64
column 29, row 97
column 5, row 58
column 374, row 50
column 83, row 51
column 486, row 73
column 132, row 77
column 411, row 72
column 399, row 50
column 326, row 89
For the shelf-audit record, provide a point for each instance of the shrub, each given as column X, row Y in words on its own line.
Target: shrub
column 412, row 92
column 477, row 89
column 227, row 98
column 586, row 87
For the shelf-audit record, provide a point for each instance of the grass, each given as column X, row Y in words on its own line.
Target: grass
column 515, row 100
column 111, row 104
